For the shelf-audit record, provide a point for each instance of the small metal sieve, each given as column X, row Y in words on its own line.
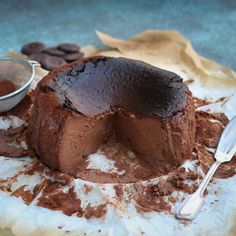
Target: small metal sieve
column 21, row 73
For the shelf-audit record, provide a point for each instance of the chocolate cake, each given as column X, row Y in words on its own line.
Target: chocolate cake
column 84, row 104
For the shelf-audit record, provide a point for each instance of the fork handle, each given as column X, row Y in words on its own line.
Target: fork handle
column 190, row 207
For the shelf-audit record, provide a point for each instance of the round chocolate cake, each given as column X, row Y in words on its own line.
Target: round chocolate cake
column 82, row 105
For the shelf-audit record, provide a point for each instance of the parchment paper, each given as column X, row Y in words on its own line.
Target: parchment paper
column 168, row 50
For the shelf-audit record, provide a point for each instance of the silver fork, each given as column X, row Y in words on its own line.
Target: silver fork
column 226, row 149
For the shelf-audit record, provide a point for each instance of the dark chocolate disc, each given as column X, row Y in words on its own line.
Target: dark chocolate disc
column 73, row 56
column 54, row 52
column 68, row 47
column 51, row 63
column 33, row 47
column 38, row 56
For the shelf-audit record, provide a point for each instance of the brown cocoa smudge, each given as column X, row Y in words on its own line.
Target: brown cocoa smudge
column 152, row 197
column 208, row 135
column 26, row 195
column 134, row 167
column 37, row 167
column 222, row 99
column 59, row 176
column 95, row 212
column 207, row 132
column 198, row 102
column 147, row 202
column 178, row 177
column 6, row 87
column 10, row 141
column 39, row 187
column 204, row 156
column 119, row 191
column 55, row 199
column 150, row 200
column 185, row 222
column 6, row 184
column 87, row 188
column 213, row 115
column 11, row 138
column 226, row 170
column 98, row 176
column 23, row 108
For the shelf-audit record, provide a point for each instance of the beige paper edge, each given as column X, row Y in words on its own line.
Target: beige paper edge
column 150, row 44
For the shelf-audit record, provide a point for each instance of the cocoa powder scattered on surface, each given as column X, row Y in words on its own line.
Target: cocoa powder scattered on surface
column 54, row 198
column 150, row 201
column 87, row 188
column 119, row 191
column 157, row 197
column 209, row 128
column 22, row 110
column 26, row 195
column 152, row 197
column 95, row 212
column 10, row 139
column 200, row 102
